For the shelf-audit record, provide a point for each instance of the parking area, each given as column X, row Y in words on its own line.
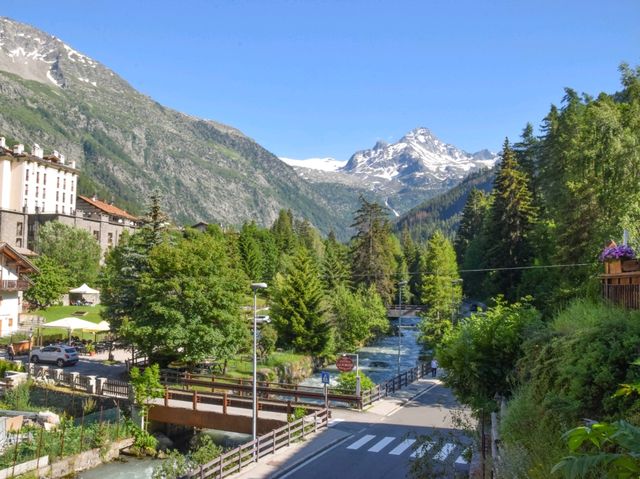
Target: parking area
column 96, row 365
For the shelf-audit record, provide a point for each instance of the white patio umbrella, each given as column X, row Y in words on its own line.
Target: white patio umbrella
column 71, row 323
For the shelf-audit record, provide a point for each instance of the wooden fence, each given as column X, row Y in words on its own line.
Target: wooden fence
column 234, row 460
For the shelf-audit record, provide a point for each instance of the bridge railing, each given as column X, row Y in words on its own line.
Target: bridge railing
column 234, row 460
column 399, row 381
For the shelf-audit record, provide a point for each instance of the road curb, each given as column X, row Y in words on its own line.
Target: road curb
column 306, row 457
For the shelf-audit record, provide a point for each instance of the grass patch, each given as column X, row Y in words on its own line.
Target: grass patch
column 90, row 313
column 243, row 368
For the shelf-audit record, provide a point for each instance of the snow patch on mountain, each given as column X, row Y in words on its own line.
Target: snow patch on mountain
column 322, row 164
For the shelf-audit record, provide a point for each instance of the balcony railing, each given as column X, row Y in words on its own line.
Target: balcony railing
column 14, row 285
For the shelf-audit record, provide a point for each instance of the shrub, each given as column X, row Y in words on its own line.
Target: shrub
column 203, row 450
column 347, row 382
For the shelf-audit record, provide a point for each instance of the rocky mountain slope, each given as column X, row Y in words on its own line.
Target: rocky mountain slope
column 128, row 145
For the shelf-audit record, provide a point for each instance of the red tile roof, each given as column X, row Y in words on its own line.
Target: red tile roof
column 109, row 209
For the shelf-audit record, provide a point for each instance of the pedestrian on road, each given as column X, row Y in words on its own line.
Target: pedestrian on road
column 434, row 367
column 11, row 353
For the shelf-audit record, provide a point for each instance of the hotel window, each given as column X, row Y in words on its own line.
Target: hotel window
column 64, row 184
column 27, row 176
column 72, row 183
column 19, row 228
column 44, row 179
column 58, row 182
column 37, row 177
column 19, row 242
column 36, row 191
column 26, row 190
column 44, row 193
column 110, row 239
column 62, row 209
column 96, row 235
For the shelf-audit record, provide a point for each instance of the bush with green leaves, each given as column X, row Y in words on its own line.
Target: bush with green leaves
column 174, row 466
column 347, row 382
column 202, row 449
column 144, row 444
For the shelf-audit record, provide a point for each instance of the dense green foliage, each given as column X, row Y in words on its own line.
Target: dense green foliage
column 73, row 251
column 347, row 382
column 440, row 288
column 570, row 372
column 481, row 353
column 48, row 285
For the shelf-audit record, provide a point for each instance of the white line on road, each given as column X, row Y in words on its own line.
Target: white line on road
column 422, row 450
column 361, row 442
column 381, row 444
column 411, row 400
column 313, row 458
column 333, row 422
column 461, row 460
column 444, row 452
column 403, row 446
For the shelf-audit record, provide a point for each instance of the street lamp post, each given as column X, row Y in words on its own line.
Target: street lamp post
column 400, row 285
column 254, row 425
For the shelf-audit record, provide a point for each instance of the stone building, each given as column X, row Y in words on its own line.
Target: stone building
column 37, row 188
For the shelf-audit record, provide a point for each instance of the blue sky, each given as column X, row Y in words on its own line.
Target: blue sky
column 329, row 77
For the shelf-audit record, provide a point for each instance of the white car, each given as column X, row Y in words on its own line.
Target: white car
column 60, row 354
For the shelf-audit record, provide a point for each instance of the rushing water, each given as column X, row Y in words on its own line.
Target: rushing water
column 128, row 468
column 379, row 360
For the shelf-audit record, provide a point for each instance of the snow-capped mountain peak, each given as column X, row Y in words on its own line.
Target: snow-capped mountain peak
column 322, row 164
column 418, row 159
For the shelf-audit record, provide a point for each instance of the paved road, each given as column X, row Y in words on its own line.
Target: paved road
column 384, row 446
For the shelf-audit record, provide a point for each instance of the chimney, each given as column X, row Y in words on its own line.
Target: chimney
column 3, row 142
column 73, row 163
column 61, row 159
column 56, row 153
column 18, row 149
column 36, row 150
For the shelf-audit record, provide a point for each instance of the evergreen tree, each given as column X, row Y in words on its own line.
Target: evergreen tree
column 411, row 254
column 470, row 223
column 511, row 220
column 335, row 265
column 251, row 252
column 526, row 151
column 298, row 309
column 371, row 249
column 441, row 288
column 283, row 232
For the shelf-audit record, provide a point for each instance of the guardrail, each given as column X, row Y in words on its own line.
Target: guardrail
column 293, row 392
column 233, row 461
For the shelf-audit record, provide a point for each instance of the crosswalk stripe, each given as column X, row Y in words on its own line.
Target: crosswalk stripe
column 361, row 442
column 422, row 450
column 403, row 446
column 461, row 460
column 333, row 422
column 381, row 444
column 444, row 452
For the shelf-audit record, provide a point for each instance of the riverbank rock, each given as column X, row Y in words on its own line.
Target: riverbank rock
column 295, row 372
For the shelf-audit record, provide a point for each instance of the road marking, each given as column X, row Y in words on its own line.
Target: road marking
column 381, row 444
column 403, row 446
column 361, row 442
column 422, row 450
column 461, row 460
column 444, row 452
column 333, row 422
column 411, row 400
column 311, row 459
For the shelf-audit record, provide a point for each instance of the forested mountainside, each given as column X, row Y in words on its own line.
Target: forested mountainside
column 444, row 211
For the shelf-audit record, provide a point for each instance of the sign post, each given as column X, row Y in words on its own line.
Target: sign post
column 345, row 364
column 325, row 381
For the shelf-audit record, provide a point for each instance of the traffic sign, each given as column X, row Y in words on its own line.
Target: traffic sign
column 344, row 364
column 325, row 377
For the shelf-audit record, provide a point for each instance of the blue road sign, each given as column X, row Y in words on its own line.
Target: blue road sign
column 325, row 377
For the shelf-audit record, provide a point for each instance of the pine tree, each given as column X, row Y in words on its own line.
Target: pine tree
column 298, row 308
column 441, row 287
column 283, row 232
column 511, row 220
column 526, row 151
column 251, row 252
column 371, row 249
column 335, row 265
column 470, row 223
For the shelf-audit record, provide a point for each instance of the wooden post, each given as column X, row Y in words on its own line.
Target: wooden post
column 273, row 434
column 195, row 400
column 224, row 402
column 213, row 381
column 166, row 396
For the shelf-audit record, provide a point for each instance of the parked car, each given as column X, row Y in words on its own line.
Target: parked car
column 60, row 354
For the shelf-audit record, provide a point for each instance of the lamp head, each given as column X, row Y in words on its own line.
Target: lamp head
column 257, row 286
column 402, row 283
